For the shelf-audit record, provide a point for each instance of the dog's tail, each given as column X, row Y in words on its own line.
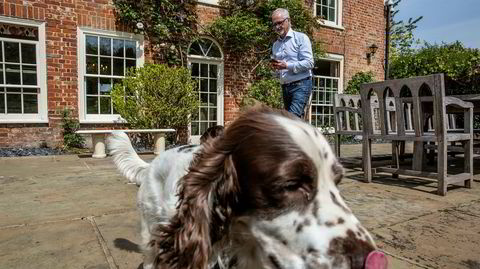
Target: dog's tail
column 126, row 159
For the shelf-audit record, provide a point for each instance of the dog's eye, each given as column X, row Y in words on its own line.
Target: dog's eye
column 292, row 185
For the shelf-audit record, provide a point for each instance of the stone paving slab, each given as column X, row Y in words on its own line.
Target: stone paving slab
column 36, row 198
column 54, row 245
column 445, row 239
column 121, row 233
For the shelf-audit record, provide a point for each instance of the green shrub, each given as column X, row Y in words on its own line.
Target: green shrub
column 267, row 91
column 156, row 96
column 460, row 65
column 359, row 78
column 70, row 125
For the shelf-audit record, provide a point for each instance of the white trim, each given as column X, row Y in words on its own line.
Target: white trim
column 210, row 2
column 339, row 16
column 337, row 58
column 206, row 57
column 220, row 88
column 42, row 115
column 81, row 32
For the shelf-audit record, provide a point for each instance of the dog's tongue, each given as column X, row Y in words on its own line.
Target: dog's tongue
column 376, row 260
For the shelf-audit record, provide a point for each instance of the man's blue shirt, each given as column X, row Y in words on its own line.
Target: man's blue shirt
column 296, row 50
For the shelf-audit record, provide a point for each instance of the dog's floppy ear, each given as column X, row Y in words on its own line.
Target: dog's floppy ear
column 206, row 197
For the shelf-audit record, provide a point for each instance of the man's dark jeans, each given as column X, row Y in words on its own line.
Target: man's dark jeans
column 296, row 94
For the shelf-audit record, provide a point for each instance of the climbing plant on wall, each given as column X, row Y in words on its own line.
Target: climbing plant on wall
column 169, row 25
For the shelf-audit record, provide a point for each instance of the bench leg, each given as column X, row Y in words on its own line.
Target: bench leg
column 159, row 146
column 98, row 142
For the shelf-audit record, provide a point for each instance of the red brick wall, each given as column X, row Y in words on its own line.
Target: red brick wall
column 363, row 21
column 364, row 24
column 62, row 18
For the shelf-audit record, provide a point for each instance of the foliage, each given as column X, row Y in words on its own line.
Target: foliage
column 169, row 24
column 353, row 86
column 246, row 25
column 267, row 91
column 70, row 125
column 402, row 39
column 460, row 65
column 156, row 96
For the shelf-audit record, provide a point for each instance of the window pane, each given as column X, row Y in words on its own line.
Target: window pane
column 212, row 98
column 91, row 44
column 204, row 70
column 105, row 105
column 11, row 52
column 130, row 64
column 213, row 71
column 28, row 54
column 91, row 84
column 118, row 48
column 105, row 66
column 195, row 128
column 92, row 65
column 203, row 127
column 203, row 114
column 324, row 2
column 30, row 90
column 204, row 85
column 29, row 75
column 92, row 105
column 1, row 72
column 105, row 46
column 195, row 67
column 14, row 103
column 105, row 86
column 215, row 52
column 332, row 3
column 118, row 67
column 325, row 12
column 195, row 49
column 331, row 16
column 213, row 85
column 204, row 99
column 2, row 103
column 130, row 49
column 30, row 103
column 14, row 90
column 12, row 73
column 213, row 114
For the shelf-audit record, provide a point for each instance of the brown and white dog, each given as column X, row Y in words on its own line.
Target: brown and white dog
column 263, row 195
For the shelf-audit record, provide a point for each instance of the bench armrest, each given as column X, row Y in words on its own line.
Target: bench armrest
column 453, row 101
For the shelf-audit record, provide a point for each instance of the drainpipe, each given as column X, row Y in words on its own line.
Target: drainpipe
column 388, row 8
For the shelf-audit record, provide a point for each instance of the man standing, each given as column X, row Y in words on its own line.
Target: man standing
column 292, row 58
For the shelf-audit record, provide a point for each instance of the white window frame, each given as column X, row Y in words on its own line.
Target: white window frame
column 42, row 115
column 339, row 16
column 220, row 84
column 335, row 58
column 210, row 2
column 81, row 33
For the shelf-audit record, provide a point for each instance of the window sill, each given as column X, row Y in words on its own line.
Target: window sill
column 107, row 120
column 21, row 121
column 330, row 24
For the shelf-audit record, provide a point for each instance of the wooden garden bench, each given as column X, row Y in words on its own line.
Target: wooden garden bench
column 422, row 94
column 99, row 137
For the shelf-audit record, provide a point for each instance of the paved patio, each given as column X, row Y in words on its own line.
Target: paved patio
column 71, row 212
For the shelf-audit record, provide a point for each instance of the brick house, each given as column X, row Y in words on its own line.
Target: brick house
column 67, row 53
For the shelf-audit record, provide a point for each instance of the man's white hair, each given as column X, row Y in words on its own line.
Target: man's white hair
column 282, row 12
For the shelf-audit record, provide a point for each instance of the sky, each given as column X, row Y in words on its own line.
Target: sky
column 444, row 20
